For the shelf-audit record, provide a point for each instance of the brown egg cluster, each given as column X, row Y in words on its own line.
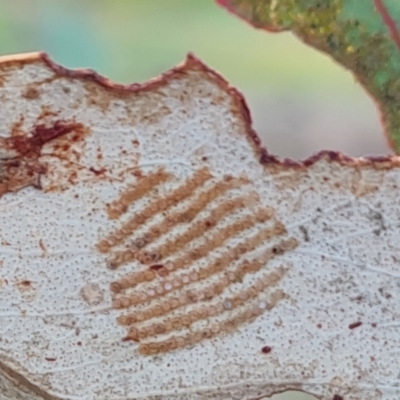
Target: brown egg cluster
column 206, row 294
column 206, row 311
column 170, row 292
column 143, row 186
column 198, row 229
column 219, row 265
column 228, row 325
column 229, row 256
column 159, row 205
column 180, row 217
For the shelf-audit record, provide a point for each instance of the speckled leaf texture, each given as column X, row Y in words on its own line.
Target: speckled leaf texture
column 151, row 248
column 362, row 35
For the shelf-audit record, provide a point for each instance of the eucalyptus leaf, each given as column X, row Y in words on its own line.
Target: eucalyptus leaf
column 362, row 35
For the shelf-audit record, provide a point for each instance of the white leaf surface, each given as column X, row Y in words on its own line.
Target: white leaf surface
column 314, row 308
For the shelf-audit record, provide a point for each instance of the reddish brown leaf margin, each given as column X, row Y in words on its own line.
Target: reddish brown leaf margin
column 388, row 21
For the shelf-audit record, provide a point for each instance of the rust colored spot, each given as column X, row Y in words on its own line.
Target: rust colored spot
column 65, row 149
column 157, row 267
column 160, row 269
column 40, row 136
column 97, row 172
column 355, row 325
column 42, row 246
column 319, row 326
column 337, row 397
column 27, row 289
column 31, row 93
column 135, row 142
column 16, row 128
column 73, row 176
column 266, row 349
column 75, row 138
column 20, row 167
column 384, row 293
column 47, row 112
column 128, row 338
column 51, row 359
column 79, row 343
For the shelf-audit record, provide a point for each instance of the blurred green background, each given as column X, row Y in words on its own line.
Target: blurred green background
column 301, row 101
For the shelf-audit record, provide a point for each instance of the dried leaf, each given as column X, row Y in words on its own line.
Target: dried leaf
column 150, row 248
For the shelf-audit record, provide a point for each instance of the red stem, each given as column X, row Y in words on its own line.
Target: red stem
column 389, row 21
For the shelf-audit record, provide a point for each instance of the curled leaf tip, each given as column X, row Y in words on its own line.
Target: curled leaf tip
column 362, row 36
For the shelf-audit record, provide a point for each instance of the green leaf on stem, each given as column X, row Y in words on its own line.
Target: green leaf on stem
column 362, row 35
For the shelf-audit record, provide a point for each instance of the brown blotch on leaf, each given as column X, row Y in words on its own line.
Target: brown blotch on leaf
column 42, row 247
column 156, row 267
column 129, row 339
column 31, row 93
column 160, row 269
column 355, row 325
column 40, row 136
column 266, row 350
column 97, row 172
column 337, row 397
column 20, row 166
column 25, row 287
